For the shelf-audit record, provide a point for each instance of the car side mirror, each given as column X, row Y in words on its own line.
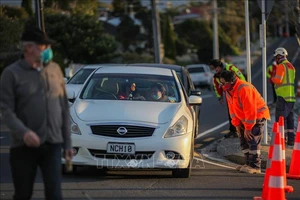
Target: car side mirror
column 66, row 79
column 195, row 100
column 71, row 95
column 195, row 92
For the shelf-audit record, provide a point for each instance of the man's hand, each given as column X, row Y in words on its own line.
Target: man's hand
column 31, row 139
column 248, row 135
column 69, row 154
column 238, row 130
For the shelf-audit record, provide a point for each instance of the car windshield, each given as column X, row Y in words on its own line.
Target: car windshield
column 80, row 76
column 136, row 87
column 196, row 70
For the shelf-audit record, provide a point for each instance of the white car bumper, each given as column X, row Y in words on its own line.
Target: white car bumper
column 150, row 152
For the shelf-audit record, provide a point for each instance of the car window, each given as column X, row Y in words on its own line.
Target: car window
column 81, row 76
column 196, row 70
column 121, row 86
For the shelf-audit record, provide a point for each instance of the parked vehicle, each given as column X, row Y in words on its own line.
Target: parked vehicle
column 201, row 75
column 133, row 132
column 187, row 82
column 76, row 81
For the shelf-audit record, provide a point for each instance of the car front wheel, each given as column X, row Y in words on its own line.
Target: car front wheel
column 185, row 172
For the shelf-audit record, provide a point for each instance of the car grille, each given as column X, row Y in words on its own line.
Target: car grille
column 132, row 131
column 139, row 155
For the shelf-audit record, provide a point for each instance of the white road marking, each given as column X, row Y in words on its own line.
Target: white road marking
column 206, row 96
column 212, row 129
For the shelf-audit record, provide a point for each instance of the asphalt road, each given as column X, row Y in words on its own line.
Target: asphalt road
column 209, row 180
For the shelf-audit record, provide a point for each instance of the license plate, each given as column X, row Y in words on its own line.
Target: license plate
column 120, row 148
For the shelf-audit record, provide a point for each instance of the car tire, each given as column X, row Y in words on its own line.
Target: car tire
column 196, row 128
column 185, row 172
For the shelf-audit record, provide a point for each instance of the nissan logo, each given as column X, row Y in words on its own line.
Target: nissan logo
column 122, row 130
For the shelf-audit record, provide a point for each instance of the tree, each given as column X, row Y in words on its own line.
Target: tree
column 10, row 29
column 27, row 5
column 127, row 32
column 169, row 38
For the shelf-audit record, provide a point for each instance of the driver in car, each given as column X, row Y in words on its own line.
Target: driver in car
column 130, row 93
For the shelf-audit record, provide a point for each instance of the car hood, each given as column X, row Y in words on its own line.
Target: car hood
column 125, row 111
column 74, row 87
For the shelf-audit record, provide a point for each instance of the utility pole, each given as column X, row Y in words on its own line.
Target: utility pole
column 287, row 27
column 264, row 62
column 156, row 32
column 39, row 14
column 248, row 52
column 215, row 30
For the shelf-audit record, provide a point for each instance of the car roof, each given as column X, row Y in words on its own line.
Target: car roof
column 135, row 70
column 177, row 68
column 95, row 66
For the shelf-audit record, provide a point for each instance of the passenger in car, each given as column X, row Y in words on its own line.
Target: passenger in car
column 158, row 93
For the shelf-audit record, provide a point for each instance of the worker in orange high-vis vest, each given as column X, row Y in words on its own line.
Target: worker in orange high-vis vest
column 219, row 66
column 248, row 112
column 270, row 72
column 284, row 81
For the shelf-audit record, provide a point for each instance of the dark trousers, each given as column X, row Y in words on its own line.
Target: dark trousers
column 231, row 127
column 252, row 148
column 274, row 94
column 24, row 162
column 285, row 109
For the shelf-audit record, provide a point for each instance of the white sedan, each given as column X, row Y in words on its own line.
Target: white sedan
column 111, row 129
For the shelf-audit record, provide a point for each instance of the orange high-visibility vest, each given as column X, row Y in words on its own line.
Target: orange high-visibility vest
column 246, row 105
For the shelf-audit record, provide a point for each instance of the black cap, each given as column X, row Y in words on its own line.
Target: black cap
column 36, row 35
column 216, row 63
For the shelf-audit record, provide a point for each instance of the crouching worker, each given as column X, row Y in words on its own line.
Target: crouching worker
column 248, row 112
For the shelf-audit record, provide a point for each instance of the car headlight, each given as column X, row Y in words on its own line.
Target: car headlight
column 179, row 128
column 74, row 127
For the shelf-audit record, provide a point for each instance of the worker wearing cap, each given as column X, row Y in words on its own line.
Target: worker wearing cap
column 248, row 112
column 284, row 80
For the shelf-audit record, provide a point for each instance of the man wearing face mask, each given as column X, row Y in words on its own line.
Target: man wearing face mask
column 219, row 67
column 35, row 109
column 248, row 112
column 284, row 82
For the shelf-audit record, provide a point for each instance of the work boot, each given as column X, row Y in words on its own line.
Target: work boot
column 250, row 170
column 290, row 143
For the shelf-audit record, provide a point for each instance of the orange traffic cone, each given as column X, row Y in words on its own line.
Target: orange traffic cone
column 269, row 162
column 276, row 180
column 287, row 188
column 275, row 187
column 294, row 172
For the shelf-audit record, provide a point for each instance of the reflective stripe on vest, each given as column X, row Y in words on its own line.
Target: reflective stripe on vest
column 286, row 89
column 276, row 182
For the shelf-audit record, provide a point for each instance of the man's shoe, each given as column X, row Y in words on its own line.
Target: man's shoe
column 290, row 143
column 250, row 170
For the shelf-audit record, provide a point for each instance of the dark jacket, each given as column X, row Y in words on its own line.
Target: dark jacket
column 35, row 100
